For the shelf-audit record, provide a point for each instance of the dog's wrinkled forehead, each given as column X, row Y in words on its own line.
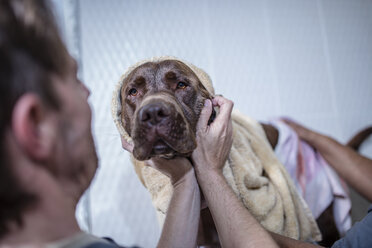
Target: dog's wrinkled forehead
column 155, row 74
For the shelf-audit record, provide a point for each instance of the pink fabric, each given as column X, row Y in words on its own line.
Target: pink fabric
column 314, row 179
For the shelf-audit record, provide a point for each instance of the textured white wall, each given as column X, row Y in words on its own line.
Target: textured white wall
column 310, row 60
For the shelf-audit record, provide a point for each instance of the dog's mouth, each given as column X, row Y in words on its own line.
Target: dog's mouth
column 161, row 147
column 163, row 142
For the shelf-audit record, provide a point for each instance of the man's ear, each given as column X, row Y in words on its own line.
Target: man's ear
column 34, row 127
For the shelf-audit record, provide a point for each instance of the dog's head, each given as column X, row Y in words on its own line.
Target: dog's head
column 160, row 106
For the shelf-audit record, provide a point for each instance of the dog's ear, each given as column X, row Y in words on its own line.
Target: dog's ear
column 125, row 119
column 204, row 92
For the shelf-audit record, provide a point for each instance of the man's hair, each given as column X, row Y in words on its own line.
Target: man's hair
column 31, row 50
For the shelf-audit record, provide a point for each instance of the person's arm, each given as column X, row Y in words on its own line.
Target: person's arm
column 235, row 225
column 354, row 168
column 181, row 223
column 359, row 138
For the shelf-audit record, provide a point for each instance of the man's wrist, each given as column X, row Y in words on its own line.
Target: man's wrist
column 311, row 137
column 187, row 178
column 317, row 140
column 207, row 174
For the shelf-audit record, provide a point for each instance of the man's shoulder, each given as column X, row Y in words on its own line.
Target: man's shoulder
column 370, row 209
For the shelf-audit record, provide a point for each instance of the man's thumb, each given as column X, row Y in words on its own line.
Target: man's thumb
column 204, row 115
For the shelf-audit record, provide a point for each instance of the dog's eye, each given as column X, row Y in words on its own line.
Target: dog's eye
column 133, row 92
column 181, row 85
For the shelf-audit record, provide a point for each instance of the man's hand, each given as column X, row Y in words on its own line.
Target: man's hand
column 181, row 223
column 175, row 168
column 302, row 132
column 214, row 140
column 236, row 227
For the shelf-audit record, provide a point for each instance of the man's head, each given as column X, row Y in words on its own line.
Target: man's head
column 44, row 115
column 161, row 103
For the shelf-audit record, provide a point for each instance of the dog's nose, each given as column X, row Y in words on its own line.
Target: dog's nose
column 153, row 113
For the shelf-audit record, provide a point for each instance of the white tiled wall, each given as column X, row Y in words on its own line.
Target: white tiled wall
column 310, row 60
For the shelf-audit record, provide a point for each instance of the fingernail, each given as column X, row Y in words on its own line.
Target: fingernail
column 207, row 102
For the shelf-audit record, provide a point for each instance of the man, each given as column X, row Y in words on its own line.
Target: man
column 47, row 154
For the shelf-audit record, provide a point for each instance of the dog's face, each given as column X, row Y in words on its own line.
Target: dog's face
column 161, row 104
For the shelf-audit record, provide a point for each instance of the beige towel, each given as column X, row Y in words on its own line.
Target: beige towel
column 254, row 173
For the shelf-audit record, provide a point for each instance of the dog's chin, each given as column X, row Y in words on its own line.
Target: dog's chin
column 160, row 148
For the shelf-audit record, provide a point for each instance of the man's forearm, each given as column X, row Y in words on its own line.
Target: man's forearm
column 181, row 223
column 355, row 169
column 235, row 225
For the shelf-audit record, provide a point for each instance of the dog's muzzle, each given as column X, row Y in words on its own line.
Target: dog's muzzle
column 161, row 130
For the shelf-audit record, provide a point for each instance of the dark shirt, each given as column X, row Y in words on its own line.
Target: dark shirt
column 111, row 244
column 360, row 235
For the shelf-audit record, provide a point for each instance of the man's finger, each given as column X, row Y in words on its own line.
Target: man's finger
column 204, row 115
column 292, row 123
column 225, row 106
column 287, row 119
column 126, row 145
